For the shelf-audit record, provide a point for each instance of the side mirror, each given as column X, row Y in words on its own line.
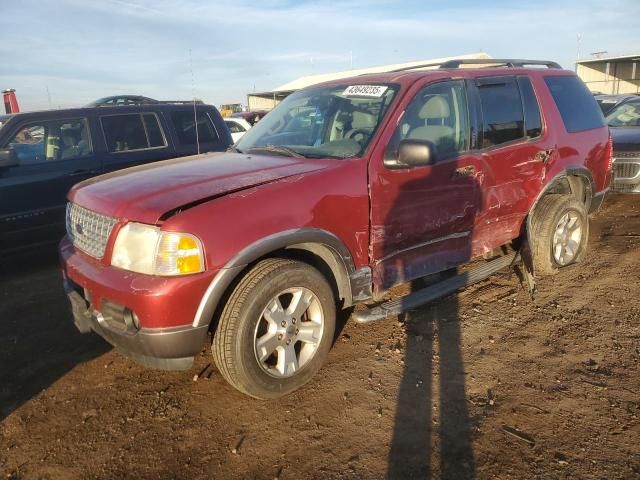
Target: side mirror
column 8, row 157
column 416, row 153
column 412, row 153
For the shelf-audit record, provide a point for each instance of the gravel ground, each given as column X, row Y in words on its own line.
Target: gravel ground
column 489, row 383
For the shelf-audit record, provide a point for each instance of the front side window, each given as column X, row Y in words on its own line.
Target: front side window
column 127, row 132
column 625, row 115
column 438, row 114
column 502, row 114
column 51, row 141
column 185, row 122
column 327, row 122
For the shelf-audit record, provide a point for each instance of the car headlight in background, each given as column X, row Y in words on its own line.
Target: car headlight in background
column 146, row 249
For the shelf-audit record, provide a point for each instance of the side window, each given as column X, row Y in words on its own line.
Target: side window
column 51, row 141
column 532, row 119
column 503, row 119
column 154, row 131
column 578, row 108
column 438, row 113
column 234, row 127
column 185, row 122
column 132, row 131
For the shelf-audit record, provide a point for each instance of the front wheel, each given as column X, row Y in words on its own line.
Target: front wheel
column 276, row 329
column 560, row 231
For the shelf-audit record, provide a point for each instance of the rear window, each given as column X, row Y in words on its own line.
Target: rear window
column 576, row 104
column 532, row 120
column 124, row 133
column 503, row 118
column 185, row 121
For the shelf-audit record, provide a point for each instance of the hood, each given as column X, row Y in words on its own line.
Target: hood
column 146, row 192
column 625, row 138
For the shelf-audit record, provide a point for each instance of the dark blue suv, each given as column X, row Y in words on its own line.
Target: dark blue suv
column 43, row 154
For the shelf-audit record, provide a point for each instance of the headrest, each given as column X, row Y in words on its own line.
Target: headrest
column 68, row 139
column 363, row 120
column 436, row 107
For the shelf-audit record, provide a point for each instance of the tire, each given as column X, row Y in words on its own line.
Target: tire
column 552, row 233
column 252, row 317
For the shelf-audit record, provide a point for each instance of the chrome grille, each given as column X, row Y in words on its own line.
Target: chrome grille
column 626, row 155
column 626, row 170
column 89, row 231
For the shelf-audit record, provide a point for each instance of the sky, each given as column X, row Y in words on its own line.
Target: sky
column 67, row 53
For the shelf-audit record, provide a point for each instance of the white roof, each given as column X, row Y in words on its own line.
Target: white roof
column 303, row 82
column 609, row 59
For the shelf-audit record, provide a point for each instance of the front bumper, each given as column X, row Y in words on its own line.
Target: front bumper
column 106, row 300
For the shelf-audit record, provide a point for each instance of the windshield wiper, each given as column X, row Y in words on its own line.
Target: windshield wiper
column 234, row 149
column 286, row 151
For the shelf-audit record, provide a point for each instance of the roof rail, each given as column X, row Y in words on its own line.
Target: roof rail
column 189, row 102
column 413, row 67
column 501, row 62
column 491, row 62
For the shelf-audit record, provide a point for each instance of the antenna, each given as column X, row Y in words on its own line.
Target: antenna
column 48, row 95
column 579, row 39
column 193, row 92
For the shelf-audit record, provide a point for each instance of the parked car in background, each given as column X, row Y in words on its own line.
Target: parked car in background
column 43, row 154
column 3, row 119
column 624, row 122
column 251, row 117
column 119, row 100
column 345, row 190
column 237, row 126
column 609, row 102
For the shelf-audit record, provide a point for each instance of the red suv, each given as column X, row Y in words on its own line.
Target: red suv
column 343, row 191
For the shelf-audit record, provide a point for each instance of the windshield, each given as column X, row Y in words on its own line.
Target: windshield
column 3, row 119
column 625, row 115
column 330, row 122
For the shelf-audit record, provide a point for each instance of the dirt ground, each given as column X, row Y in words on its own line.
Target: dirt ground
column 484, row 384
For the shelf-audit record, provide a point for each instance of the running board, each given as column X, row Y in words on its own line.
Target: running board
column 392, row 308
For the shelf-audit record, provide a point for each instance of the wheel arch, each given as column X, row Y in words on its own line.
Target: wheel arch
column 318, row 247
column 575, row 180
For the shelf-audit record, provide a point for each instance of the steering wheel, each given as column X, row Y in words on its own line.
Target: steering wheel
column 358, row 132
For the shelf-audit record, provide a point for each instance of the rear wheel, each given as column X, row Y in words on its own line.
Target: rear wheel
column 560, row 231
column 276, row 329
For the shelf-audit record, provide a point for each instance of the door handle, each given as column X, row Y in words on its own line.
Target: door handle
column 466, row 171
column 543, row 156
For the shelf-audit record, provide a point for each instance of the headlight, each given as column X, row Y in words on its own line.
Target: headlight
column 146, row 249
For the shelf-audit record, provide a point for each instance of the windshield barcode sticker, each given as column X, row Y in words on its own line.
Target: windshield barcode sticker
column 375, row 91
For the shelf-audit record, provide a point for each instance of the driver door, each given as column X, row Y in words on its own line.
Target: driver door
column 422, row 217
column 50, row 156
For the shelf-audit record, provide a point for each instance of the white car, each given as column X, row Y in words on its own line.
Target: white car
column 237, row 126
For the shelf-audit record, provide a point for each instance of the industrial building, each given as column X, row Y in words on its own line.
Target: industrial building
column 268, row 100
column 611, row 75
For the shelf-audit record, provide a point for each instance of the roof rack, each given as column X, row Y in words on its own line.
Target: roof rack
column 190, row 102
column 491, row 62
column 501, row 62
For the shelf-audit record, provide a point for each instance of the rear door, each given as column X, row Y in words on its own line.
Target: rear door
column 52, row 155
column 514, row 146
column 190, row 140
column 133, row 139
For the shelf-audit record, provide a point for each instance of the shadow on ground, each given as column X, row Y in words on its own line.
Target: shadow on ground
column 38, row 341
column 432, row 422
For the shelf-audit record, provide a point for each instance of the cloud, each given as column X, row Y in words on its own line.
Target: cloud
column 220, row 51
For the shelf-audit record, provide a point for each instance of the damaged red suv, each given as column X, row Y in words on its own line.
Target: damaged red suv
column 342, row 192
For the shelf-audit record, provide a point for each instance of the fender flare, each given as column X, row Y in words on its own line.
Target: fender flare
column 577, row 171
column 319, row 242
